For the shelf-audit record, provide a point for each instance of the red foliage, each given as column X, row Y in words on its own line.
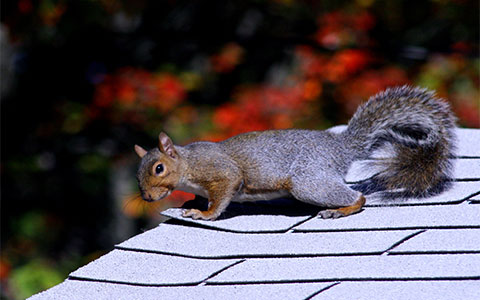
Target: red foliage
column 228, row 58
column 133, row 88
column 51, row 13
column 353, row 92
column 311, row 64
column 338, row 29
column 468, row 112
column 336, row 68
column 312, row 89
column 345, row 63
column 25, row 6
column 5, row 268
column 363, row 21
column 168, row 92
column 350, row 72
column 126, row 92
column 264, row 107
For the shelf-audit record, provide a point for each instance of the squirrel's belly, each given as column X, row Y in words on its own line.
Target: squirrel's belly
column 244, row 197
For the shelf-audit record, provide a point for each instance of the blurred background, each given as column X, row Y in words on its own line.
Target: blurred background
column 83, row 81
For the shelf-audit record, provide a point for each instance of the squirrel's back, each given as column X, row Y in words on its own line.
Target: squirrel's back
column 282, row 150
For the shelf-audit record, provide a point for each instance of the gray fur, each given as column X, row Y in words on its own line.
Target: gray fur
column 302, row 159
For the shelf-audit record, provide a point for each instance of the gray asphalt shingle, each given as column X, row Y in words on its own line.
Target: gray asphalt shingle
column 458, row 192
column 244, row 223
column 399, row 249
column 401, row 217
column 392, row 267
column 206, row 243
column 442, row 241
column 149, row 269
column 468, row 141
column 87, row 290
column 405, row 290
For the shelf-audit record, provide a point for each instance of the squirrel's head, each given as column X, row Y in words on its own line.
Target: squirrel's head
column 159, row 170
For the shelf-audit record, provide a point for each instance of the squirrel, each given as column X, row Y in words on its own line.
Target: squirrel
column 411, row 124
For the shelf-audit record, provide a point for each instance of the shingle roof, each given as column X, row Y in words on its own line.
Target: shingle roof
column 408, row 249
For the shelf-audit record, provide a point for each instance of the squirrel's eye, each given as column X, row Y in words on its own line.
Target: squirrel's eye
column 159, row 169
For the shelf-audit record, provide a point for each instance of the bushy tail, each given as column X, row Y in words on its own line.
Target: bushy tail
column 417, row 131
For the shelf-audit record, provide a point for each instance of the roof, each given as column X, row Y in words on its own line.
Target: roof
column 403, row 249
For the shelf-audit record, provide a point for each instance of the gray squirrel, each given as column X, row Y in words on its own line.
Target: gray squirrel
column 414, row 127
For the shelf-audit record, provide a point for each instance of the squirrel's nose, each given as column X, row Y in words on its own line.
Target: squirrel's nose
column 147, row 197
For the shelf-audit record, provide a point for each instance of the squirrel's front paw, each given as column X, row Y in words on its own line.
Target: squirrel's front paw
column 197, row 214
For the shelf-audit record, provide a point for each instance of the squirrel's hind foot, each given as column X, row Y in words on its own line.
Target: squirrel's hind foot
column 343, row 211
column 330, row 214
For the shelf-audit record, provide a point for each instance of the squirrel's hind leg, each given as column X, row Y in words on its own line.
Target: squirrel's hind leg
column 328, row 192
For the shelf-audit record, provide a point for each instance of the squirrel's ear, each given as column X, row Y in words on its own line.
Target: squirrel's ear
column 140, row 151
column 166, row 146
